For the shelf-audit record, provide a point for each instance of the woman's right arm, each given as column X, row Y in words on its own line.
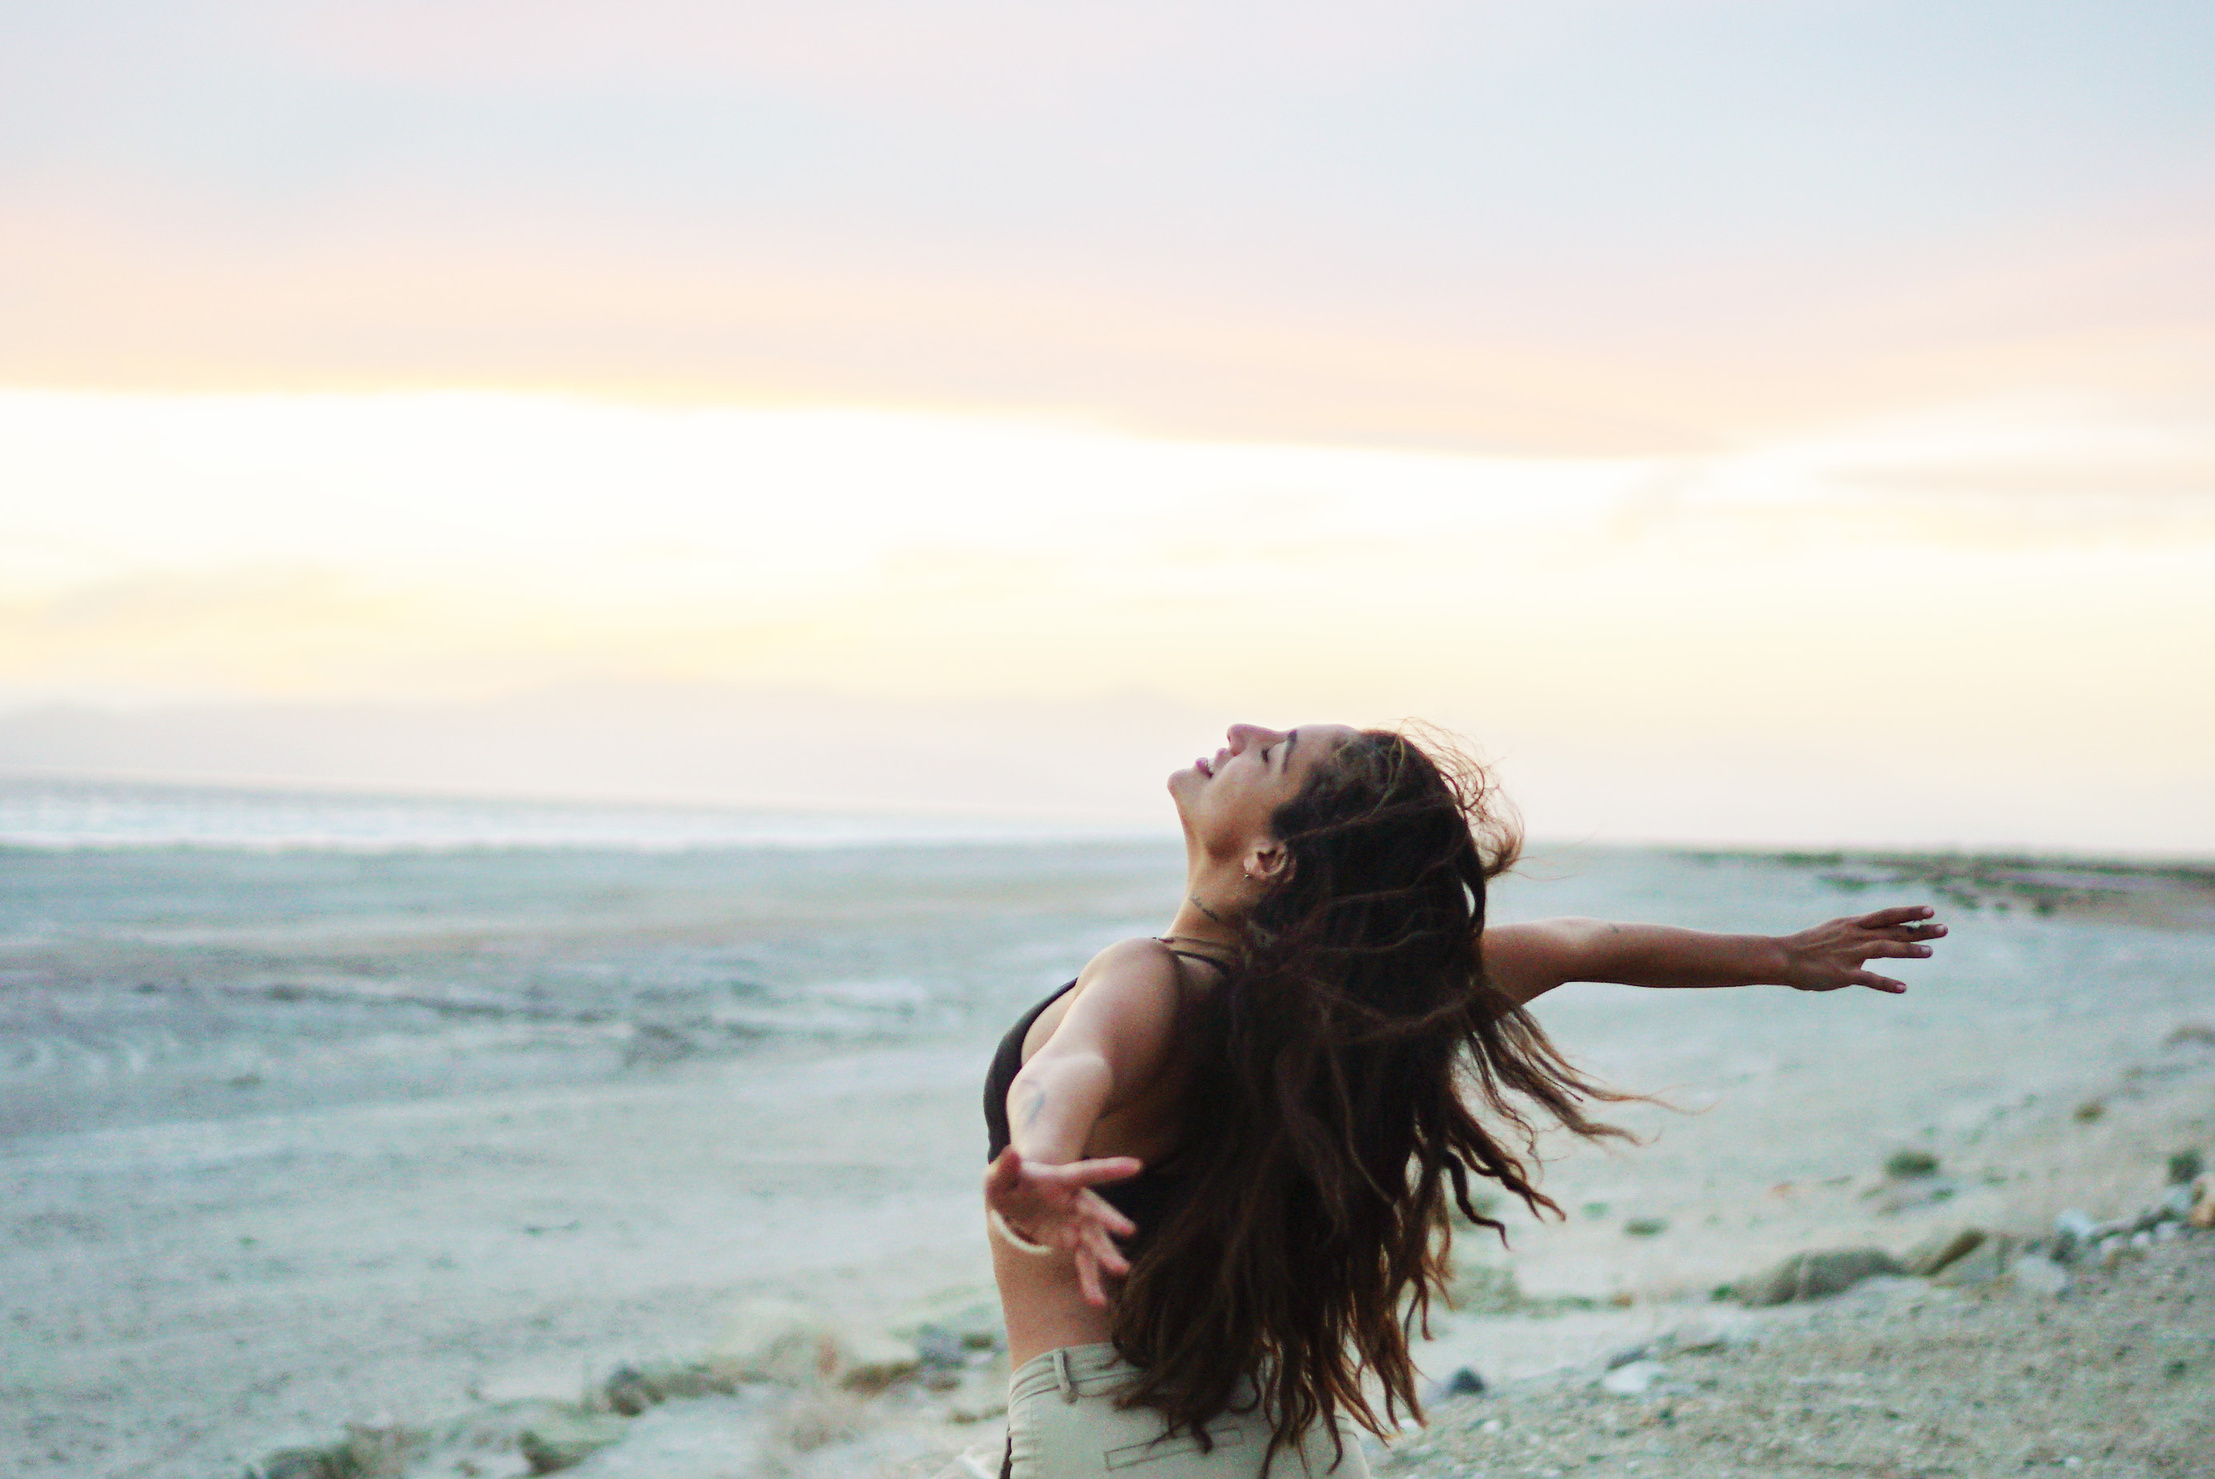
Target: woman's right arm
column 1528, row 960
column 1111, row 1043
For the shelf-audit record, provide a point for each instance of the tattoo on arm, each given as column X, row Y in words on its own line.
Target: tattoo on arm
column 1037, row 1103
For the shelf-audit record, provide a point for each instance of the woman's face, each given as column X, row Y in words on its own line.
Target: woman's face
column 1226, row 799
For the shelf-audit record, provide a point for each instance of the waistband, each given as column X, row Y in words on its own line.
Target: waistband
column 1074, row 1370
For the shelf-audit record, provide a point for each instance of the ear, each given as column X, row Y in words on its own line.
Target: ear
column 1269, row 864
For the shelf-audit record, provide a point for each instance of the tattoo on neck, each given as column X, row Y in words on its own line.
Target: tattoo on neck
column 1194, row 899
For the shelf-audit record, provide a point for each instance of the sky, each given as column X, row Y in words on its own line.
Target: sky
column 1746, row 422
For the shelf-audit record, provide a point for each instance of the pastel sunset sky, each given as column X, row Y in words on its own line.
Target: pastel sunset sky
column 1767, row 422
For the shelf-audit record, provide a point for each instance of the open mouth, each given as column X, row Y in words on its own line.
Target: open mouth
column 1204, row 768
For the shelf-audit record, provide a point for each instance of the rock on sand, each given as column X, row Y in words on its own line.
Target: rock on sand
column 1817, row 1275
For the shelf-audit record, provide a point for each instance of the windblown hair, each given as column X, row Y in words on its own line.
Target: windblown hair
column 1332, row 1106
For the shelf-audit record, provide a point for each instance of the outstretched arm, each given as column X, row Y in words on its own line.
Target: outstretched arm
column 1528, row 960
column 1110, row 1044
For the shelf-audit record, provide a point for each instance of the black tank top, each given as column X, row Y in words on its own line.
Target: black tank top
column 1150, row 1197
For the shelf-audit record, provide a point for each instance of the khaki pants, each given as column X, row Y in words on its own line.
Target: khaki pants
column 1063, row 1422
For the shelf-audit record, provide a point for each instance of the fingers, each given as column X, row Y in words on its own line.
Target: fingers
column 1004, row 1174
column 1098, row 1255
column 1895, row 950
column 1096, row 1208
column 1877, row 983
column 1107, row 1168
column 1896, row 915
column 1105, row 1253
column 1912, row 932
column 1088, row 1280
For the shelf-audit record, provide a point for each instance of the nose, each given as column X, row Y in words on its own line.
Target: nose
column 1244, row 737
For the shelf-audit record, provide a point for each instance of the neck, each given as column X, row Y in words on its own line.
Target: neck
column 1214, row 904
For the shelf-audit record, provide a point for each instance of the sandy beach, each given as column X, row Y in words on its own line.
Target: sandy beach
column 432, row 1148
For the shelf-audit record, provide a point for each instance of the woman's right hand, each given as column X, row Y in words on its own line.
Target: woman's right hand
column 1056, row 1208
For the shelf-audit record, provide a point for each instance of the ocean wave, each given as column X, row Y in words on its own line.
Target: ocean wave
column 60, row 813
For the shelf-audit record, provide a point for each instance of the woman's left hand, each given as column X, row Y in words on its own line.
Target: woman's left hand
column 1056, row 1208
column 1830, row 955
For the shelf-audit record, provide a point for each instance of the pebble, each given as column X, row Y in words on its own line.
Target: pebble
column 1634, row 1379
column 2074, row 1234
column 1904, row 1164
column 562, row 1442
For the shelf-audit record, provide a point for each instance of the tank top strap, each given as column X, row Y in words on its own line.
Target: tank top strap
column 1202, row 957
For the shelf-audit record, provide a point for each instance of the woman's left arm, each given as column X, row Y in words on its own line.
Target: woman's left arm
column 1528, row 960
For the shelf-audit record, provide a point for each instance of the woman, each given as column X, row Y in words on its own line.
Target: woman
column 1224, row 1159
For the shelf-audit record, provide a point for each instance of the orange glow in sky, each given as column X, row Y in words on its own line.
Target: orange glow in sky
column 1759, row 422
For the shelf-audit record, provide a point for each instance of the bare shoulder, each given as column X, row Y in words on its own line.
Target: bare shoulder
column 1128, row 995
column 1528, row 960
column 1136, row 971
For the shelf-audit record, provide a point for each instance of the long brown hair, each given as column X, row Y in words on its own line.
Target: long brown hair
column 1328, row 1115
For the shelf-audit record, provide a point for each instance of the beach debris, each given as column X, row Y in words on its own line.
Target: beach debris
column 941, row 1353
column 626, row 1391
column 364, row 1453
column 1906, row 1165
column 2074, row 1235
column 631, row 1389
column 1464, row 1383
column 1986, row 1262
column 1646, row 1227
column 1806, row 1276
column 563, row 1440
column 1934, row 1254
column 771, row 1340
column 776, row 1341
column 1634, row 1378
column 871, row 1360
column 2089, row 1111
column 2199, row 1034
column 1911, row 1179
column 947, row 1325
column 2182, row 1207
column 2184, row 1167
